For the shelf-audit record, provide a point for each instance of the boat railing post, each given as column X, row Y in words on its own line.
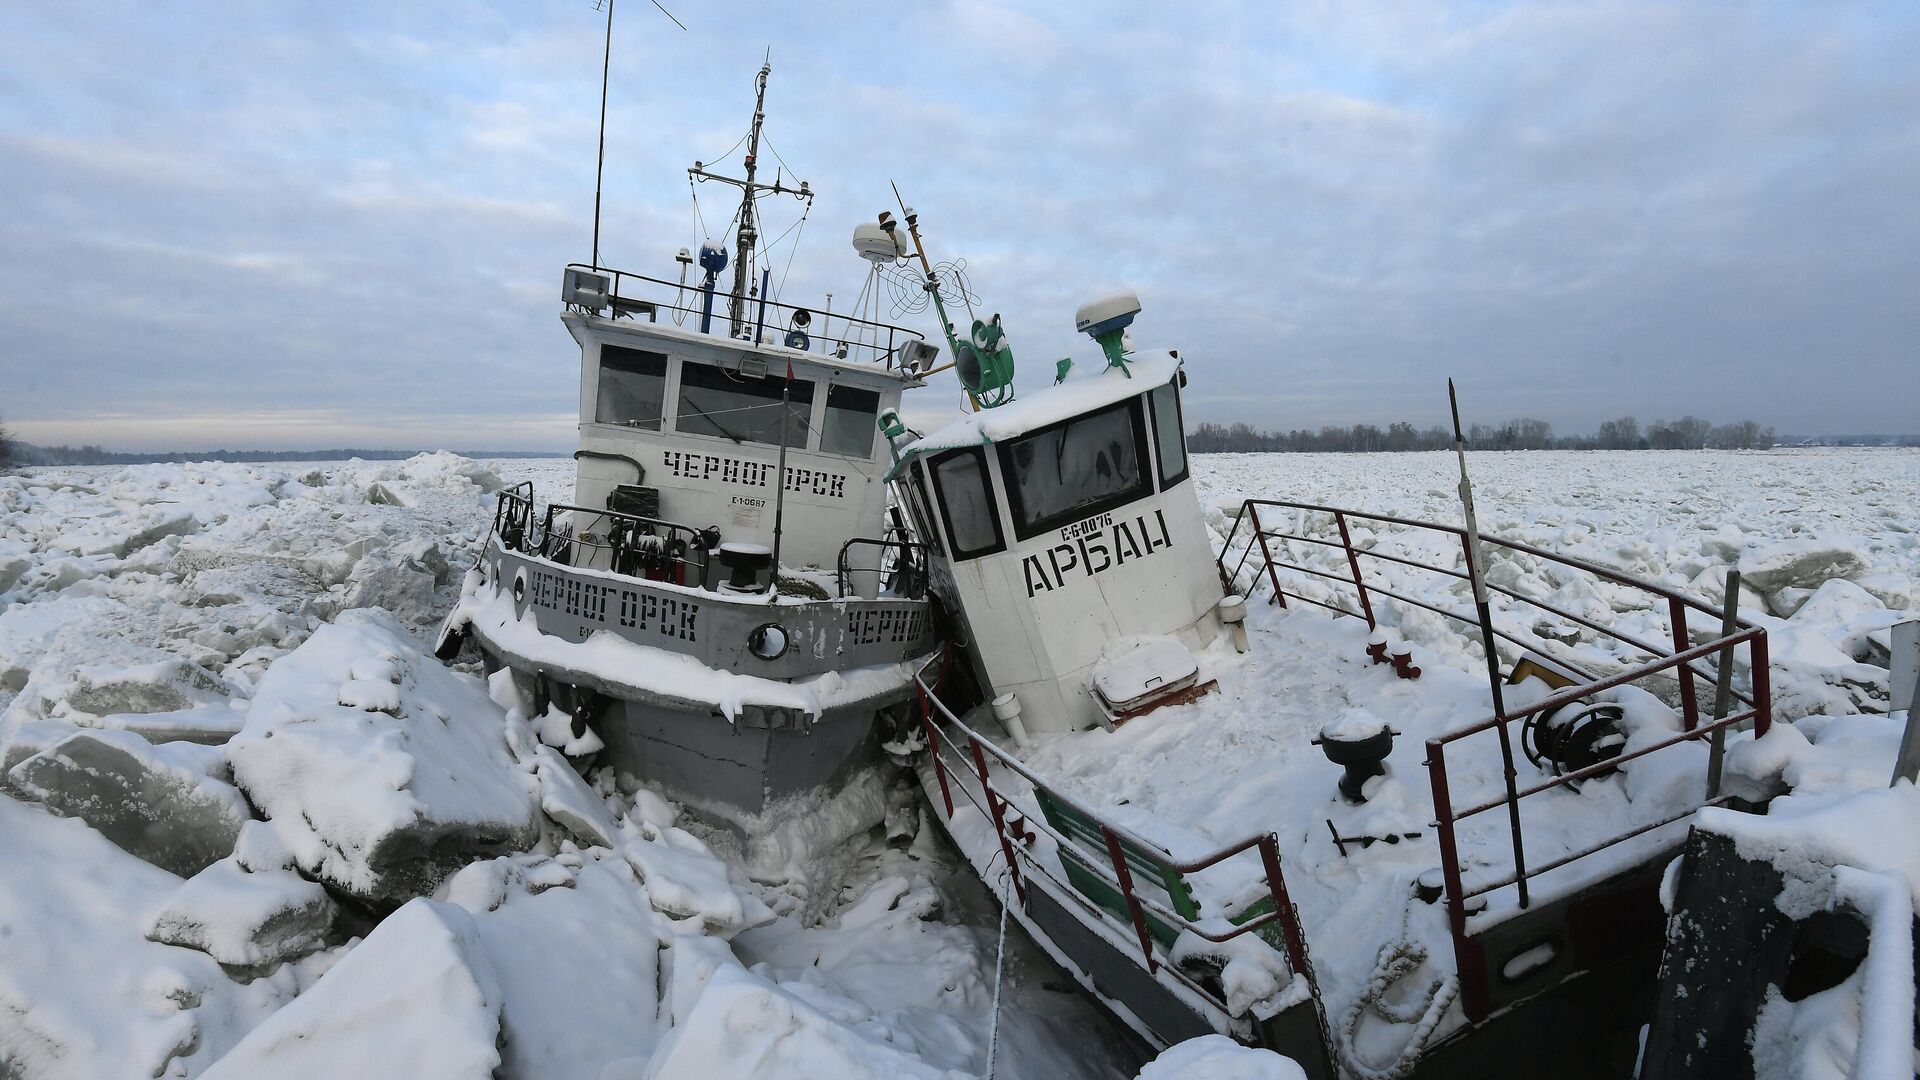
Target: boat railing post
column 1226, row 546
column 1762, row 685
column 1723, row 684
column 998, row 811
column 1353, row 563
column 933, row 745
column 1125, row 876
column 1689, row 700
column 1266, row 553
column 1468, row 961
column 1283, row 905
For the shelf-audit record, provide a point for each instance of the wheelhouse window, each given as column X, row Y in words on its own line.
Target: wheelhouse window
column 1169, row 435
column 1076, row 468
column 913, row 492
column 633, row 388
column 850, row 424
column 719, row 403
column 966, row 503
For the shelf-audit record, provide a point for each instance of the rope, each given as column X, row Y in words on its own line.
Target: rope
column 1396, row 960
column 999, row 959
column 764, row 254
column 794, row 250
column 699, row 219
column 731, row 149
column 776, row 155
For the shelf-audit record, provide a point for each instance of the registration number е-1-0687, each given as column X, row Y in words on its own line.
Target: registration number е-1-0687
column 1094, row 546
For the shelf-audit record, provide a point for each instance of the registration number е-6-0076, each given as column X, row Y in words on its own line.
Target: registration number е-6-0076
column 1094, row 546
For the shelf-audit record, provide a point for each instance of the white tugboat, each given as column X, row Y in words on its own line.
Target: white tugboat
column 1224, row 809
column 722, row 611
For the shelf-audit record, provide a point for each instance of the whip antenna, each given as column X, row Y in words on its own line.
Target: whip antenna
column 600, row 166
column 606, row 66
column 1476, row 573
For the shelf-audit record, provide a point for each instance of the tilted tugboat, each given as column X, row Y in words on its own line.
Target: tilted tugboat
column 1223, row 815
column 723, row 603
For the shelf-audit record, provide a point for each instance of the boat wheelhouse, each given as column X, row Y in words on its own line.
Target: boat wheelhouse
column 1068, row 521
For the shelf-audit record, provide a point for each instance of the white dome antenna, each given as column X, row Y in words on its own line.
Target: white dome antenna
column 875, row 243
column 1105, row 320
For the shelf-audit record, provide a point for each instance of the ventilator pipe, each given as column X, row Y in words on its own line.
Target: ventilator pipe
column 1233, row 613
column 1006, row 709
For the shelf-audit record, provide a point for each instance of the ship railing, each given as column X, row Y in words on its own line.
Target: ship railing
column 903, row 576
column 513, row 514
column 1127, row 852
column 640, row 547
column 634, row 295
column 1347, row 578
column 1468, row 956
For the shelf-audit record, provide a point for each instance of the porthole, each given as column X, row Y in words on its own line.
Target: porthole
column 768, row 641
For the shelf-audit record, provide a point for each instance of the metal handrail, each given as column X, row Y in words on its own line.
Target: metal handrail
column 1597, row 570
column 1116, row 835
column 911, row 563
column 1678, row 603
column 1469, row 960
column 1680, row 659
column 513, row 514
column 1446, row 815
column 870, row 351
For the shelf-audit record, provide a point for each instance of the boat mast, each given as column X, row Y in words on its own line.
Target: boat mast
column 743, row 258
column 750, row 189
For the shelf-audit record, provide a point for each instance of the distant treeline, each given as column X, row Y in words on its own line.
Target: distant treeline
column 1686, row 433
column 28, row 454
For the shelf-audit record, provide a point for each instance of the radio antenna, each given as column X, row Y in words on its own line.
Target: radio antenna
column 600, row 166
column 1477, row 577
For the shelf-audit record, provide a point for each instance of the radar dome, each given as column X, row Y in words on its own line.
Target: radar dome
column 874, row 244
column 1114, row 311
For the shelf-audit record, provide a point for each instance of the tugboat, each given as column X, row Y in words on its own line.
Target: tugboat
column 1280, row 820
column 723, row 611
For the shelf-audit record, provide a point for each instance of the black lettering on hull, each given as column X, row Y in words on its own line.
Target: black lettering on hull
column 1092, row 547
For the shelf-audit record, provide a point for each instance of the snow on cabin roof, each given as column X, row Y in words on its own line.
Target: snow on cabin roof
column 1079, row 394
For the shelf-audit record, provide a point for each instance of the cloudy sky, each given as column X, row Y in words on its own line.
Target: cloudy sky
column 307, row 225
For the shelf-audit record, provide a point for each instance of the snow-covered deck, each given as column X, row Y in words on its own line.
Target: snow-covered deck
column 1197, row 777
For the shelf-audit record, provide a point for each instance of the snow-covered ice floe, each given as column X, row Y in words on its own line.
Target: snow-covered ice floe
column 599, row 934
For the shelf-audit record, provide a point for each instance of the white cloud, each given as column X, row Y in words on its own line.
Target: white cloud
column 359, row 212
